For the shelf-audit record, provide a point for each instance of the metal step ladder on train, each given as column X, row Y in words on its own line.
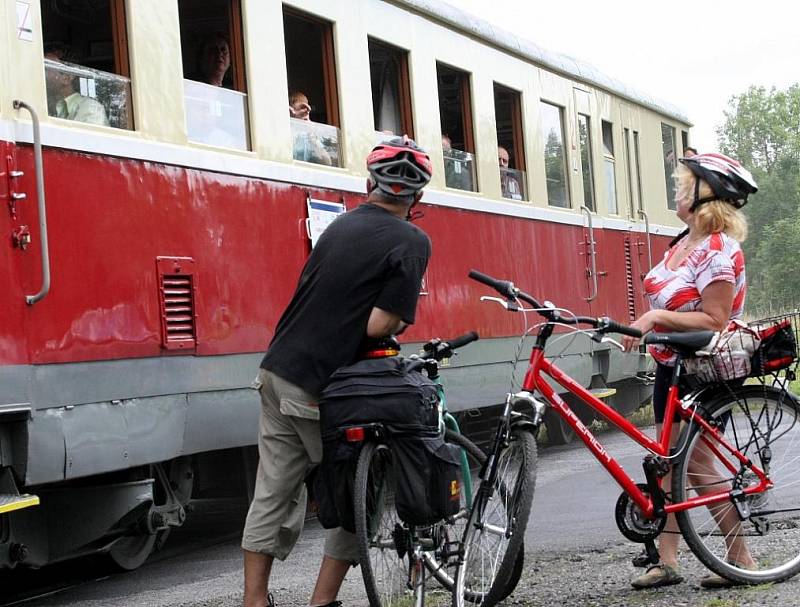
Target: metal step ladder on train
column 10, row 498
column 10, row 502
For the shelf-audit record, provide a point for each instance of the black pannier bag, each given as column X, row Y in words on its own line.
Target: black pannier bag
column 333, row 482
column 778, row 347
column 391, row 391
column 427, row 478
column 388, row 390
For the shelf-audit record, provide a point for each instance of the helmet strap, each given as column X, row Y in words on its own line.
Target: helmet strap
column 412, row 215
column 697, row 200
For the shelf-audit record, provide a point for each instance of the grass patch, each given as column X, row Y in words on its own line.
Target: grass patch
column 721, row 603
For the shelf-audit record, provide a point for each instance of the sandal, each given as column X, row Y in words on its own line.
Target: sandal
column 657, row 576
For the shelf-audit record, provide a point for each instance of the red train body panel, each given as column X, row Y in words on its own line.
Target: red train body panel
column 248, row 241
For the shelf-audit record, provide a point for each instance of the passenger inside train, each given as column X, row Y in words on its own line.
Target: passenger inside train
column 64, row 84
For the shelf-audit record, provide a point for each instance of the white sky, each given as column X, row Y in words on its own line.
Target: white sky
column 694, row 54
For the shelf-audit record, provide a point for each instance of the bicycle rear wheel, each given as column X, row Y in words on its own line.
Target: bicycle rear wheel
column 384, row 542
column 496, row 526
column 764, row 424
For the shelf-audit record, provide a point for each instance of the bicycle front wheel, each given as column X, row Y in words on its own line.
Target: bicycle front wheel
column 495, row 529
column 758, row 541
column 384, row 542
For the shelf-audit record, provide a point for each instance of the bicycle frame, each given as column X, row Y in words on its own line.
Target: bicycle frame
column 534, row 380
column 451, row 423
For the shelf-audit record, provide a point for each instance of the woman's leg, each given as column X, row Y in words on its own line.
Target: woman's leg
column 702, row 468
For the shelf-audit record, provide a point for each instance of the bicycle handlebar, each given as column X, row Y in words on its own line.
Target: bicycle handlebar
column 463, row 340
column 507, row 289
column 438, row 349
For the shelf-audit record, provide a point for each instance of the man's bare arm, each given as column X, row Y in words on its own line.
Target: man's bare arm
column 382, row 324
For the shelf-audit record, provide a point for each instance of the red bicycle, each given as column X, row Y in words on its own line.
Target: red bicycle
column 735, row 488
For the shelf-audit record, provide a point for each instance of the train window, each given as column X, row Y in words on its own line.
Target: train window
column 587, row 169
column 391, row 90
column 670, row 161
column 684, row 141
column 638, row 168
column 609, row 166
column 86, row 62
column 312, row 95
column 510, row 147
column 214, row 86
column 555, row 161
column 455, row 114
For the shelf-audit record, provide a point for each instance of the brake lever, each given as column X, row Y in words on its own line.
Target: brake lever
column 511, row 306
column 611, row 340
column 506, row 304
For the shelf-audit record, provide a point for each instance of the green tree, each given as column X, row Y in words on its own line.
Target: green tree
column 762, row 130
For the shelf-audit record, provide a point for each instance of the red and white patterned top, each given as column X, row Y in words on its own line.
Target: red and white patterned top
column 718, row 257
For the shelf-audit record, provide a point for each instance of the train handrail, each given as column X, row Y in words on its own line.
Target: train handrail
column 592, row 252
column 37, row 158
column 643, row 215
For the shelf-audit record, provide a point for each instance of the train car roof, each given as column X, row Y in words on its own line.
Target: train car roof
column 456, row 18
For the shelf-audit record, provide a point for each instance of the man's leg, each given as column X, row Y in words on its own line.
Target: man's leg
column 331, row 575
column 341, row 553
column 257, row 568
column 277, row 512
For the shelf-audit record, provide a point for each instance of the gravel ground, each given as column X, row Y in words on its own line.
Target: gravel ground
column 598, row 577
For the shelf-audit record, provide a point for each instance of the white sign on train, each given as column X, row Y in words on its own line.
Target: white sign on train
column 24, row 21
column 320, row 215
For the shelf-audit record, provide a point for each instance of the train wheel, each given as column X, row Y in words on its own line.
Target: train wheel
column 559, row 432
column 130, row 552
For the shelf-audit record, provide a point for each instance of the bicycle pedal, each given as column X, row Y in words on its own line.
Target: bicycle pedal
column 641, row 560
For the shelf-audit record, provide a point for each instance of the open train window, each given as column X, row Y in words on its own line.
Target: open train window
column 86, row 62
column 391, row 90
column 214, row 86
column 587, row 166
column 510, row 144
column 555, row 160
column 609, row 166
column 312, row 96
column 670, row 161
column 455, row 111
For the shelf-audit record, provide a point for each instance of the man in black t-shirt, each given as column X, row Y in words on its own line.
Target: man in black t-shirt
column 362, row 280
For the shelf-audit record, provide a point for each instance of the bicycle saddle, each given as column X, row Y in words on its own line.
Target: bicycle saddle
column 688, row 342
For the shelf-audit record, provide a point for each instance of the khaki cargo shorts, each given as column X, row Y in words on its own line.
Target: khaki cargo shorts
column 289, row 445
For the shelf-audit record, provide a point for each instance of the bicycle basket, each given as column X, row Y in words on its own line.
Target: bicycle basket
column 778, row 347
column 727, row 357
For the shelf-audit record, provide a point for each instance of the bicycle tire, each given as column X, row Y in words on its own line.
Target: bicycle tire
column 441, row 570
column 750, row 418
column 384, row 564
column 516, row 467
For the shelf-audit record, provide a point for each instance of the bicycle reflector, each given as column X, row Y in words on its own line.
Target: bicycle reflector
column 354, row 435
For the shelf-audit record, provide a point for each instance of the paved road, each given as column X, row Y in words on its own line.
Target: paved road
column 575, row 555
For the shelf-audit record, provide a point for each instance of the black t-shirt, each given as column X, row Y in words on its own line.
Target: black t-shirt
column 366, row 258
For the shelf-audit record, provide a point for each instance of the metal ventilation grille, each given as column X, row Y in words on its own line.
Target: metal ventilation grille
column 629, row 281
column 177, row 297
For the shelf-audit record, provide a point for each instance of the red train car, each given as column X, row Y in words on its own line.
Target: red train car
column 155, row 196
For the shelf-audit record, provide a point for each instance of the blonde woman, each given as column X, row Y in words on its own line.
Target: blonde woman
column 699, row 285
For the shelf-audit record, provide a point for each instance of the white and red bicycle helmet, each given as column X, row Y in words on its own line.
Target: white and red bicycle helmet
column 728, row 179
column 399, row 168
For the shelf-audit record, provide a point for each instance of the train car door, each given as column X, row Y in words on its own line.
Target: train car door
column 638, row 245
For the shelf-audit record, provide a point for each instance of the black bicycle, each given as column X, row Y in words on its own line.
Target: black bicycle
column 395, row 557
